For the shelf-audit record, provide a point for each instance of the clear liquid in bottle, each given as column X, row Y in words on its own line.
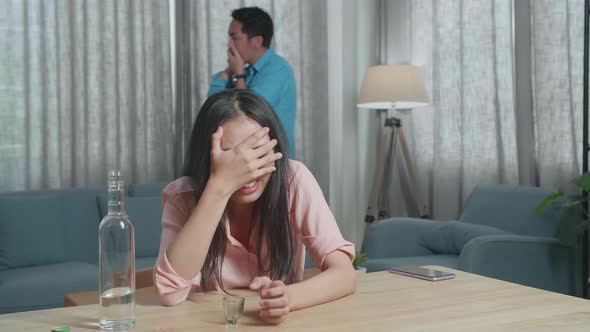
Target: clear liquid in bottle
column 115, row 305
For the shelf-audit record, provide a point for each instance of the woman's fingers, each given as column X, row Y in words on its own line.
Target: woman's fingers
column 274, row 302
column 250, row 141
column 263, row 171
column 216, row 140
column 275, row 312
column 265, row 139
column 267, row 160
column 265, row 149
column 260, row 282
column 273, row 320
column 272, row 292
column 251, row 159
column 275, row 289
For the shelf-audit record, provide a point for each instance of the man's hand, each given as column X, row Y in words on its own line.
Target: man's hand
column 274, row 302
column 226, row 73
column 234, row 60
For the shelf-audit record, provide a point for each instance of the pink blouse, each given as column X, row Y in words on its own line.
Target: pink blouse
column 311, row 220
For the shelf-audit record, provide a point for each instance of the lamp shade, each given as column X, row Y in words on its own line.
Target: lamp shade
column 393, row 87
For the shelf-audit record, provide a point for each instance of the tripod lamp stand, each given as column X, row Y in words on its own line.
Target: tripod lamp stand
column 391, row 87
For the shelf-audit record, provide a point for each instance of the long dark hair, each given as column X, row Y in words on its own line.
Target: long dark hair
column 272, row 206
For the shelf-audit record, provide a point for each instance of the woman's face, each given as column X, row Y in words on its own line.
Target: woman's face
column 235, row 131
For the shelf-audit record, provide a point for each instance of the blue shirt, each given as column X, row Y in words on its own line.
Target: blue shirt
column 271, row 77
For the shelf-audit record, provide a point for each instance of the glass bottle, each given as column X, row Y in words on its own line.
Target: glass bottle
column 116, row 250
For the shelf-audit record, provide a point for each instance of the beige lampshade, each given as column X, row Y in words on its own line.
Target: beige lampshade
column 393, row 87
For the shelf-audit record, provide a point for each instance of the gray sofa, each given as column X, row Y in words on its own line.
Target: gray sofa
column 497, row 236
column 49, row 242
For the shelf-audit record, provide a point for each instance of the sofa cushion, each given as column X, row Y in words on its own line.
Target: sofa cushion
column 147, row 189
column 31, row 231
column 41, row 287
column 71, row 211
column 510, row 208
column 146, row 215
column 382, row 264
column 81, row 218
column 142, row 263
column 451, row 236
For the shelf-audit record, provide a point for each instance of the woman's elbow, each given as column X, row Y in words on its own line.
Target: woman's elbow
column 172, row 299
column 170, row 287
column 169, row 301
column 346, row 276
column 170, row 293
column 351, row 281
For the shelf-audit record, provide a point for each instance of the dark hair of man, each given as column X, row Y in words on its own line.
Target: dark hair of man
column 255, row 22
column 271, row 208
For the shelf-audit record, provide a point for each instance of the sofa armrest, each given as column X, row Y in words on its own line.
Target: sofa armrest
column 397, row 237
column 539, row 262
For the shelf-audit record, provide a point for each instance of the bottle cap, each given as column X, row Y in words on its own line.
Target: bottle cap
column 61, row 329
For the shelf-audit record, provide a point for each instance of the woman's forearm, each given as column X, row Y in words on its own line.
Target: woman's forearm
column 333, row 283
column 188, row 251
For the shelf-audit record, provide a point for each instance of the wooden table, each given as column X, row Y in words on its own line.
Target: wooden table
column 143, row 280
column 383, row 302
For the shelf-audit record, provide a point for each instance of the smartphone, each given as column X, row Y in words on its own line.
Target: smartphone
column 422, row 273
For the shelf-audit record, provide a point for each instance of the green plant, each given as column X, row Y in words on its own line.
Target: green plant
column 358, row 259
column 575, row 219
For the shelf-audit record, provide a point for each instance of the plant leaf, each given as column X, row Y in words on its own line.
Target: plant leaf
column 583, row 181
column 548, row 200
column 359, row 258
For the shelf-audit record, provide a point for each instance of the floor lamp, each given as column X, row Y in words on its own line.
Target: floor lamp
column 391, row 87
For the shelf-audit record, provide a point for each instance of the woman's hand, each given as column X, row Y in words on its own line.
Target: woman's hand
column 245, row 162
column 274, row 303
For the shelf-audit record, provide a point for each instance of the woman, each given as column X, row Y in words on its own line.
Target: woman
column 243, row 214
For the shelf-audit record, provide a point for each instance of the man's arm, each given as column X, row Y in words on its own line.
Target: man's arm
column 241, row 84
column 219, row 82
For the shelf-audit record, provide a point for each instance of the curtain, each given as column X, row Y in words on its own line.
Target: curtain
column 557, row 34
column 86, row 87
column 471, row 137
column 492, row 118
column 351, row 133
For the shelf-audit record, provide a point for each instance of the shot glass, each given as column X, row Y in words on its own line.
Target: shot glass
column 233, row 306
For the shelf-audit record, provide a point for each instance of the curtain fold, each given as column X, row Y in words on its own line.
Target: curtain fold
column 557, row 58
column 88, row 89
column 351, row 133
column 470, row 133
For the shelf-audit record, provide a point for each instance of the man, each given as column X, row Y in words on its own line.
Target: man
column 267, row 73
